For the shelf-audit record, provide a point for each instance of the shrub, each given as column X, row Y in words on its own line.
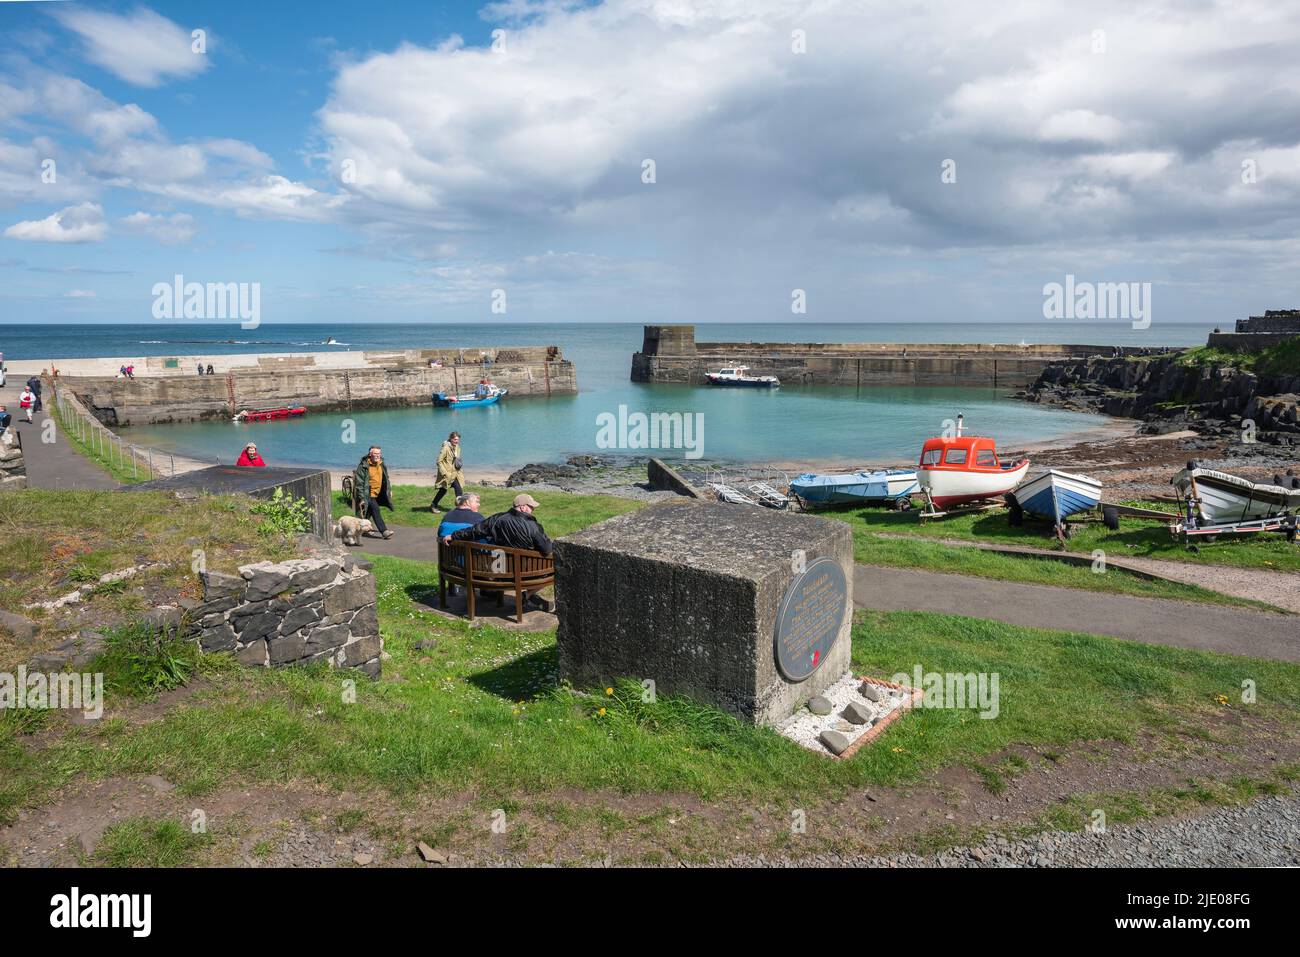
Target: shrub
column 140, row 660
column 285, row 514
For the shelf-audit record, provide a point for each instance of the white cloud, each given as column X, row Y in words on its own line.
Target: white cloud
column 80, row 294
column 140, row 47
column 76, row 224
column 170, row 230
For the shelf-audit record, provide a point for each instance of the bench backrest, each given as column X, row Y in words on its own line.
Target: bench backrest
column 494, row 564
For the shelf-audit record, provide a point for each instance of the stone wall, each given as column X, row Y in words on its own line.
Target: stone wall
column 1285, row 322
column 671, row 354
column 320, row 608
column 13, row 468
column 185, row 396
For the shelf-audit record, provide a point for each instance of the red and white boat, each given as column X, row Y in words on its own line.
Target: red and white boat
column 961, row 469
column 267, row 415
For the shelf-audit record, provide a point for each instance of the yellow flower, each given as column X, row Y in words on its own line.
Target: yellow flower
column 602, row 712
column 609, row 691
column 897, row 750
column 1221, row 698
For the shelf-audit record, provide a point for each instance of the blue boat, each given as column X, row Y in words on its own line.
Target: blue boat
column 894, row 486
column 1056, row 495
column 490, row 396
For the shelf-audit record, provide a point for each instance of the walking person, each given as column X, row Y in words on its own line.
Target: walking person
column 371, row 479
column 26, row 401
column 34, row 384
column 450, row 475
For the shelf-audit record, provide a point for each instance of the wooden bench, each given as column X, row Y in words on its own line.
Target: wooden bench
column 492, row 568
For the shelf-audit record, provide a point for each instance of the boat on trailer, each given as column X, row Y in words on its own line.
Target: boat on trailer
column 269, row 415
column 962, row 470
column 1055, row 495
column 739, row 376
column 881, row 486
column 1218, row 503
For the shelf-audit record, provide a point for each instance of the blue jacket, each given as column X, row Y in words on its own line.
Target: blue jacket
column 457, row 519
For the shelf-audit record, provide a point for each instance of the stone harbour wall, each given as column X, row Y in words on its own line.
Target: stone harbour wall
column 299, row 611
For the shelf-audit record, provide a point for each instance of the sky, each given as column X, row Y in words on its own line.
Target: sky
column 648, row 160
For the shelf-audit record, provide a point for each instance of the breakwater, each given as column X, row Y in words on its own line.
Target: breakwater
column 671, row 354
column 169, row 389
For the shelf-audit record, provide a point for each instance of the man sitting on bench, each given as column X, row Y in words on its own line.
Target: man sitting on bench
column 516, row 528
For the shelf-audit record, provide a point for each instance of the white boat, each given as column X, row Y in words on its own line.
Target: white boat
column 1057, row 495
column 739, row 376
column 1220, row 498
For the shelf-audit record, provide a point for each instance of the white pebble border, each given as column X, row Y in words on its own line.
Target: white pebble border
column 804, row 728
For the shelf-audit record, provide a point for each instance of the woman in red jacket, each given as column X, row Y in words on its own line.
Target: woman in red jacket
column 249, row 457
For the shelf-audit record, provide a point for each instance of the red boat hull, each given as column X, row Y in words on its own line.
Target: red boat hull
column 267, row 415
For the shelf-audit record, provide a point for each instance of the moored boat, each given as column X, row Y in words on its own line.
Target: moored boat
column 882, row 485
column 267, row 415
column 1056, row 495
column 962, row 469
column 486, row 394
column 739, row 376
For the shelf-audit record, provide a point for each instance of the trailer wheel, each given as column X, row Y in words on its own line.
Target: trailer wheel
column 904, row 504
column 1110, row 517
column 1015, row 513
column 1194, row 549
column 1210, row 539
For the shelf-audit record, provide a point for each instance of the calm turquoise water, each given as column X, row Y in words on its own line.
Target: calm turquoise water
column 787, row 425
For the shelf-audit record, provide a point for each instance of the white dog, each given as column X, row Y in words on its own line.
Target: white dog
column 351, row 529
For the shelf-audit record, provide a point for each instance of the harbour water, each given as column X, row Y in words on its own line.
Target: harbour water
column 822, row 424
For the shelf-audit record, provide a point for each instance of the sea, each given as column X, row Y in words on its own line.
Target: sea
column 827, row 425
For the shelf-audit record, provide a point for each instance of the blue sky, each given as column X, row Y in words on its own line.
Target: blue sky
column 390, row 161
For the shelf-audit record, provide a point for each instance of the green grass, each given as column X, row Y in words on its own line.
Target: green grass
column 1134, row 538
column 935, row 556
column 109, row 460
column 560, row 512
column 1278, row 360
column 148, row 842
column 484, row 713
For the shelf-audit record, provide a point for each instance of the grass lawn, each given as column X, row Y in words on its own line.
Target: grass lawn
column 58, row 541
column 560, row 512
column 483, row 714
column 1134, row 538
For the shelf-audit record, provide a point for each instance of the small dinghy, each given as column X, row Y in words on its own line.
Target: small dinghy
column 268, row 415
column 892, row 486
column 739, row 376
column 1055, row 496
column 481, row 396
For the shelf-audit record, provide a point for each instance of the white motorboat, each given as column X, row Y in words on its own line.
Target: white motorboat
column 739, row 376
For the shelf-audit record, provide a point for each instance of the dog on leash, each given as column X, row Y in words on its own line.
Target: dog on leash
column 351, row 529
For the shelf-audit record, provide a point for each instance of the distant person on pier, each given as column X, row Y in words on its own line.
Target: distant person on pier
column 200, row 368
column 34, row 384
column 210, row 372
column 450, row 475
column 26, row 401
column 249, row 458
column 371, row 480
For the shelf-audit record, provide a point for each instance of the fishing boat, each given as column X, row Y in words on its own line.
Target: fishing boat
column 892, row 486
column 739, row 376
column 268, row 415
column 482, row 396
column 1055, row 495
column 1217, row 498
column 963, row 469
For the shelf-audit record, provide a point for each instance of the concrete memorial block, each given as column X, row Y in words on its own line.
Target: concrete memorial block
column 742, row 608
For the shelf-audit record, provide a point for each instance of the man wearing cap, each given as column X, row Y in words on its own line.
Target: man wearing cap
column 513, row 529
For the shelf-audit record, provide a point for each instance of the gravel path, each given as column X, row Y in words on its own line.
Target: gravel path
column 1263, row 834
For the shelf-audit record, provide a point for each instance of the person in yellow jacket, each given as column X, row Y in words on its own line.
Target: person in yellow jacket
column 450, row 474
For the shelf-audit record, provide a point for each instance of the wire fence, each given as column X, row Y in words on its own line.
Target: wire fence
column 142, row 461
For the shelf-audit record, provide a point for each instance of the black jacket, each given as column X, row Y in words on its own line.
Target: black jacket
column 512, row 529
